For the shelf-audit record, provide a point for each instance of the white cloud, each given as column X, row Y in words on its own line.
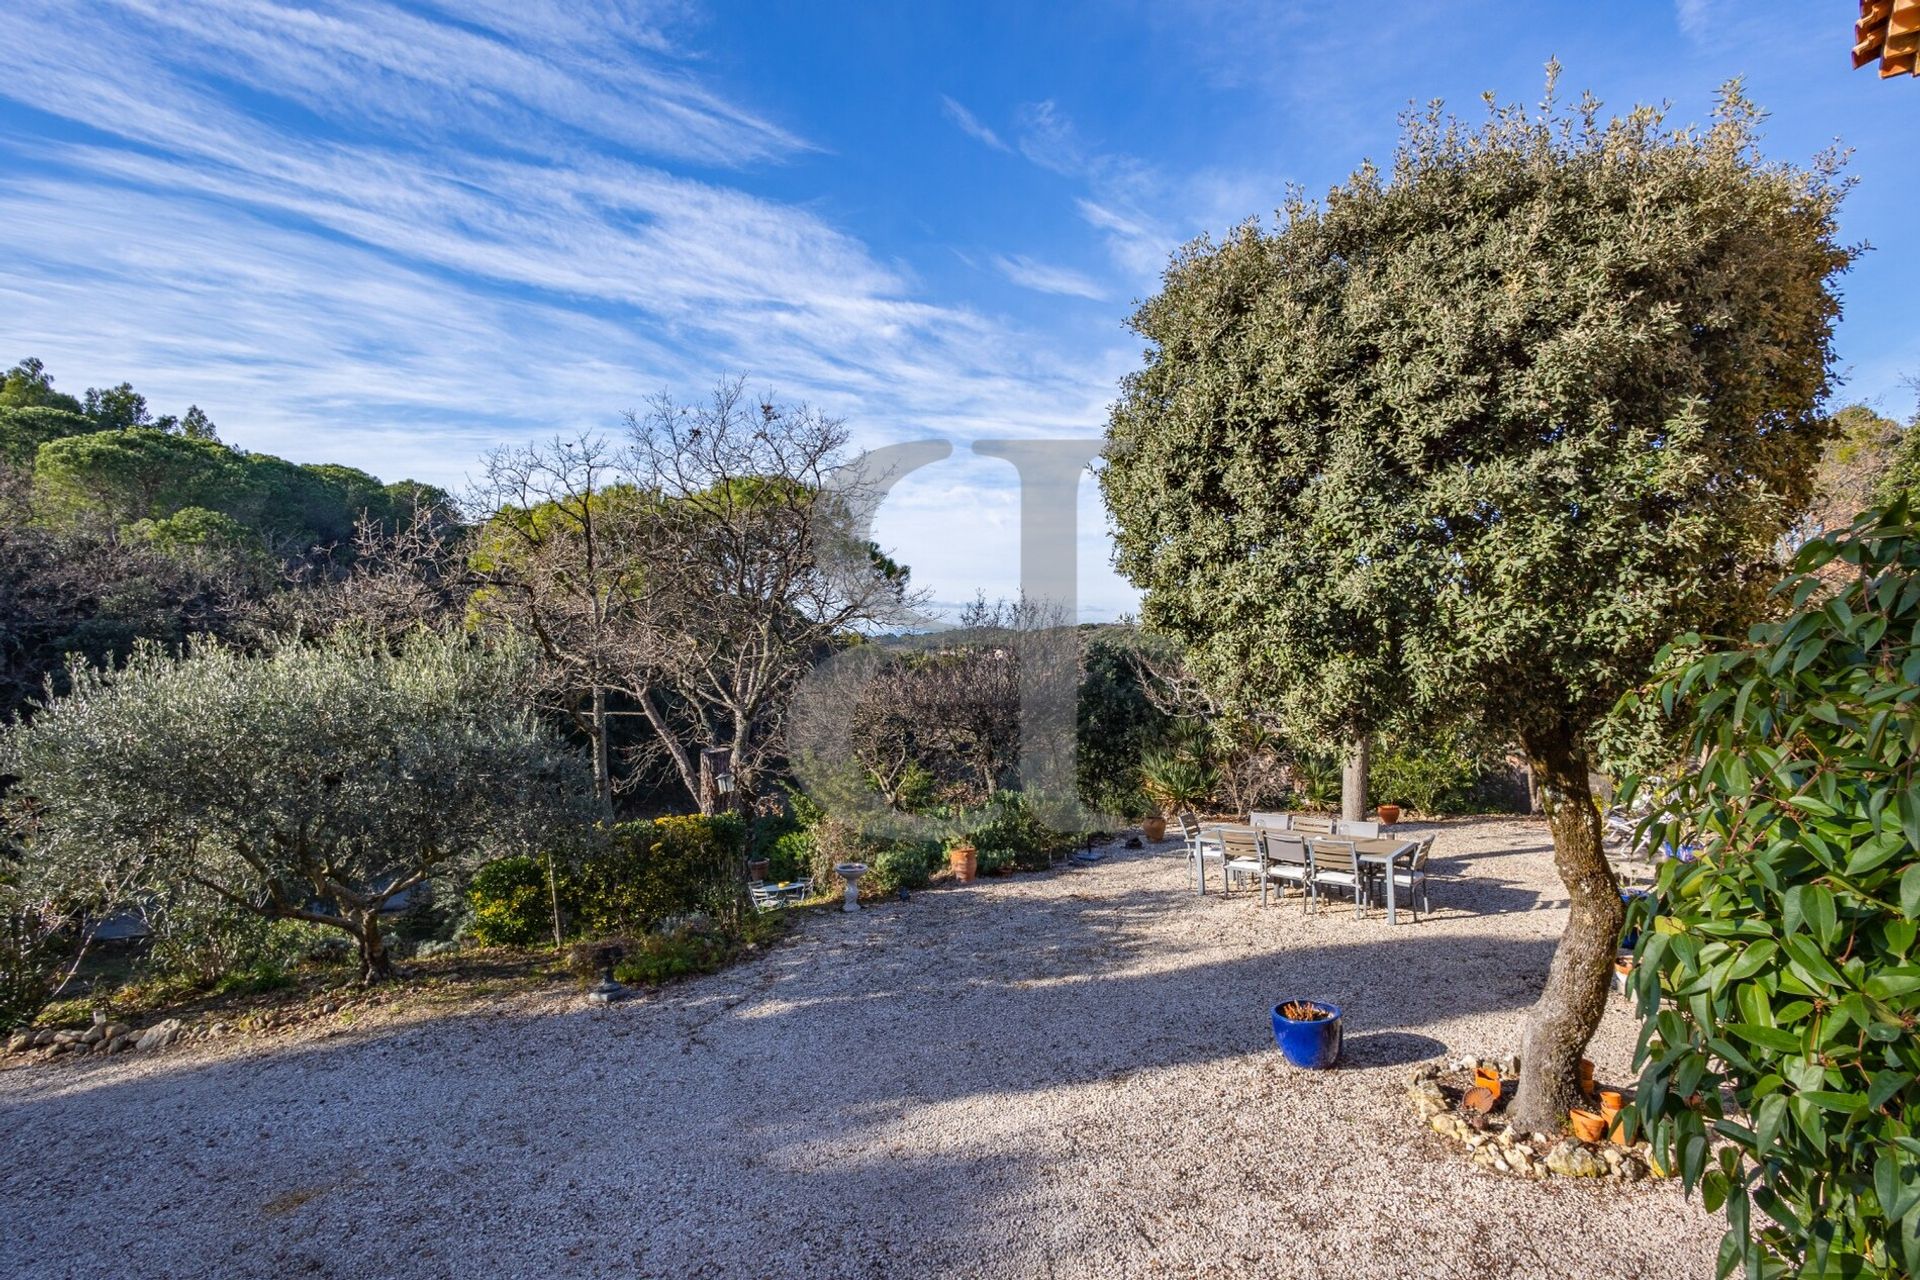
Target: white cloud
column 1028, row 274
column 1695, row 17
column 970, row 125
column 468, row 246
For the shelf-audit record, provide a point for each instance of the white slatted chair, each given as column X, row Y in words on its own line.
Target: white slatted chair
column 1288, row 862
column 1242, row 857
column 1337, row 866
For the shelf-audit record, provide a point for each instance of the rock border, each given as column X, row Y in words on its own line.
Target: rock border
column 1434, row 1091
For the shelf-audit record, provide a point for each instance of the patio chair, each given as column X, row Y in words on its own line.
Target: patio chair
column 1312, row 823
column 1240, row 854
column 1357, row 829
column 1270, row 821
column 1198, row 845
column 1337, row 866
column 1412, row 877
column 1287, row 861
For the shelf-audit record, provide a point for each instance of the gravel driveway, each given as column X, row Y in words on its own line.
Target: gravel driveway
column 1058, row 1075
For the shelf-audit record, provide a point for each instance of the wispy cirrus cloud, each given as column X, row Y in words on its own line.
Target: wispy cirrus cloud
column 970, row 125
column 1045, row 278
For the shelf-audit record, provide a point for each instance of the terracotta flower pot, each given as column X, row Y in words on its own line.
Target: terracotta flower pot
column 1588, row 1126
column 757, row 869
column 1154, row 828
column 1487, row 1078
column 964, row 861
column 1611, row 1101
column 1586, row 1076
column 1389, row 813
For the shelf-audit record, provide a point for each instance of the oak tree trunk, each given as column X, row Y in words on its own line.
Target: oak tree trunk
column 1353, row 780
column 1575, row 996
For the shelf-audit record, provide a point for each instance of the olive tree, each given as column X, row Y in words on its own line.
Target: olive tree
column 1477, row 436
column 317, row 783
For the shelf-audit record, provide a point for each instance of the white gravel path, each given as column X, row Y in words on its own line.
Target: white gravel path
column 1060, row 1075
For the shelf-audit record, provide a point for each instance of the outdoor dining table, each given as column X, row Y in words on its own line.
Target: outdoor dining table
column 1383, row 852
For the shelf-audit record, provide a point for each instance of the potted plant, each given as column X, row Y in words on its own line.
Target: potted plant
column 962, row 858
column 1389, row 814
column 1308, row 1032
column 1174, row 782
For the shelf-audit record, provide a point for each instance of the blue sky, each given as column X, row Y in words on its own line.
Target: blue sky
column 394, row 235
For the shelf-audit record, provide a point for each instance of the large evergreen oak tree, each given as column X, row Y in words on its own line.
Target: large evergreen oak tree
column 1481, row 435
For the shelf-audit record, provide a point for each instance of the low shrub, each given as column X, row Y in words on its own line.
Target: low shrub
column 510, row 904
column 902, row 864
column 791, row 856
column 1013, row 825
column 648, row 873
column 1428, row 780
column 992, row 862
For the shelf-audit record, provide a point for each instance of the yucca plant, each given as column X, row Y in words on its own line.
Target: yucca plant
column 1175, row 781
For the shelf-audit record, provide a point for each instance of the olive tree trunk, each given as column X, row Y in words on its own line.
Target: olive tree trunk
column 1575, row 996
column 375, row 964
column 1353, row 780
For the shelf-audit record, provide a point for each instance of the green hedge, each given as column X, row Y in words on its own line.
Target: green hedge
column 640, row 876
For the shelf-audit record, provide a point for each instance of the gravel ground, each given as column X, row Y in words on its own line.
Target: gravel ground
column 1059, row 1075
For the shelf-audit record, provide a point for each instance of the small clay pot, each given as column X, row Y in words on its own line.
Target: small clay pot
column 757, row 869
column 1479, row 1100
column 1588, row 1126
column 1586, row 1076
column 1611, row 1101
column 1487, row 1078
column 1154, row 829
column 1389, row 814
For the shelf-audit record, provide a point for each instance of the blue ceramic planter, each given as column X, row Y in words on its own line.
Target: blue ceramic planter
column 1315, row 1045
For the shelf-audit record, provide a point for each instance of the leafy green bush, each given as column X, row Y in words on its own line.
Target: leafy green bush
column 791, row 856
column 650, row 872
column 993, row 862
column 1432, row 779
column 510, row 903
column 902, row 864
column 1013, row 823
column 1115, row 723
column 1779, row 966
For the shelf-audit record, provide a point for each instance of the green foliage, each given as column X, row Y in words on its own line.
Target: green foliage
column 1115, row 723
column 790, row 856
column 648, row 873
column 1316, row 780
column 1174, row 780
column 140, row 473
column 509, row 903
column 1483, row 430
column 1442, row 776
column 29, row 955
column 197, row 938
column 315, row 783
column 1016, row 823
column 992, row 861
column 23, row 430
column 901, row 864
column 1780, row 966
column 28, row 385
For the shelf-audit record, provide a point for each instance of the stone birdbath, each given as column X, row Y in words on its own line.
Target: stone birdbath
column 851, row 873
